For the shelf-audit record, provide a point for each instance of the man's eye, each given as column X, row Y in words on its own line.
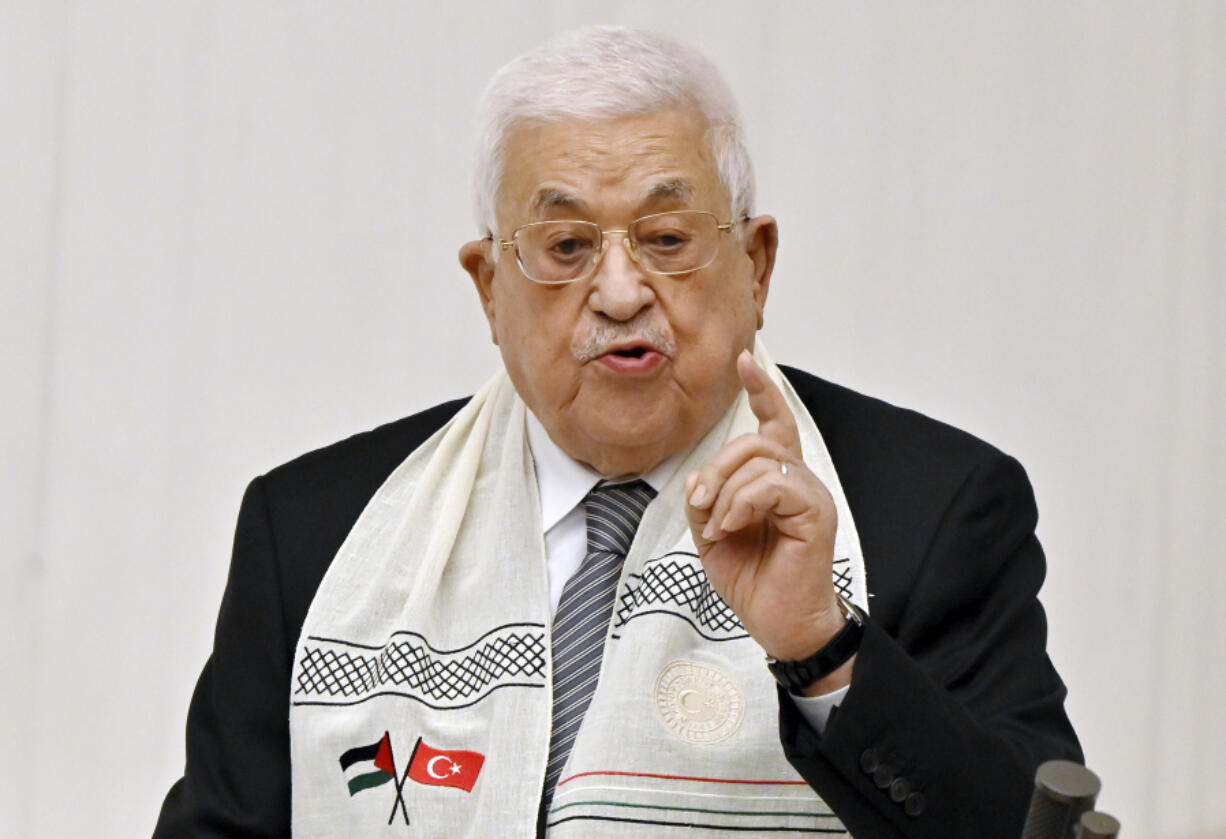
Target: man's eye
column 569, row 249
column 665, row 241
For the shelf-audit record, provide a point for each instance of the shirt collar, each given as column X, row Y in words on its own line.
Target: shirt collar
column 563, row 481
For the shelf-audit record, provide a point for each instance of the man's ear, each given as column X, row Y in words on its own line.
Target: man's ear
column 761, row 242
column 476, row 259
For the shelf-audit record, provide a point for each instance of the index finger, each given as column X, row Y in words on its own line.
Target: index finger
column 775, row 419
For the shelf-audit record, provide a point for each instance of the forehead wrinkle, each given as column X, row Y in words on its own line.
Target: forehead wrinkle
column 669, row 190
column 611, row 159
column 603, row 165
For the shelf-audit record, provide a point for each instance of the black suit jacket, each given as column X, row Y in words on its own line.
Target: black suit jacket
column 952, row 705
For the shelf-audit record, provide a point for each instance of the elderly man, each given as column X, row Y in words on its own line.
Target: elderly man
column 644, row 580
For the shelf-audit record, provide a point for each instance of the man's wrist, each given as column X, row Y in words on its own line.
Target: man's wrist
column 829, row 667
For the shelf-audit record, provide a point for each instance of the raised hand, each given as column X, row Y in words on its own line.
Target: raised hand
column 764, row 526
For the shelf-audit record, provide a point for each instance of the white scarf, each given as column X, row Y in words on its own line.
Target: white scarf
column 431, row 626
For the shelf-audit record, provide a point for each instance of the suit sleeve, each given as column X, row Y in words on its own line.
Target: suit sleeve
column 236, row 781
column 950, row 712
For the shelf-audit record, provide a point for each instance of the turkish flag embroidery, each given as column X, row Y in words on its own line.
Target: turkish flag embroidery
column 445, row 768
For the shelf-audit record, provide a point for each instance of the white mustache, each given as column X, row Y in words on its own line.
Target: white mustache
column 608, row 334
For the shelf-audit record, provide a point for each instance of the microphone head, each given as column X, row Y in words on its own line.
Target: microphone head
column 1095, row 825
column 1063, row 790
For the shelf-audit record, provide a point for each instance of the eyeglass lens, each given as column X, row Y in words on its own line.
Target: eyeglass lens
column 665, row 243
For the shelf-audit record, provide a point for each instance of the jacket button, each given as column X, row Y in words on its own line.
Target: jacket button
column 869, row 761
column 914, row 804
column 884, row 776
column 899, row 790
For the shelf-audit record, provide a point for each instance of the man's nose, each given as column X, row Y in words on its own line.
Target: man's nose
column 620, row 287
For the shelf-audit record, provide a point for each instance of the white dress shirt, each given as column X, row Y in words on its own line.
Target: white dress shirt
column 563, row 482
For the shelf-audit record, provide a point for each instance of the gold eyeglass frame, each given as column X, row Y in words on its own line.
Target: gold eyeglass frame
column 631, row 249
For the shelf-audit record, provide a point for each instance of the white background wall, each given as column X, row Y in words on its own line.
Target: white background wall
column 228, row 235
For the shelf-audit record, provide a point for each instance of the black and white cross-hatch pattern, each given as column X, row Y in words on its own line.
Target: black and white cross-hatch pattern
column 335, row 672
column 582, row 620
column 842, row 577
column 676, row 585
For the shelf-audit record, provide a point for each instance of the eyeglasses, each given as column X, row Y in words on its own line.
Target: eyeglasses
column 557, row 252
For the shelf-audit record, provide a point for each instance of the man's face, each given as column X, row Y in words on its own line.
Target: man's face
column 624, row 368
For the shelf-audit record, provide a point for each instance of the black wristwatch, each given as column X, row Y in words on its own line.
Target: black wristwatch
column 798, row 675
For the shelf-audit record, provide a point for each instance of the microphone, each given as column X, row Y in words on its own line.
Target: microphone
column 1063, row 791
column 1095, row 825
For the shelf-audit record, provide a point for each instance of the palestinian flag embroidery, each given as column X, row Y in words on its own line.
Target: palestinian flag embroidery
column 369, row 766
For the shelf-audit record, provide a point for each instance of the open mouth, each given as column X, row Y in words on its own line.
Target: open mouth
column 632, row 359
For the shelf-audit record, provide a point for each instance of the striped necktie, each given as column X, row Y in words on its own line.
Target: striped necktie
column 582, row 620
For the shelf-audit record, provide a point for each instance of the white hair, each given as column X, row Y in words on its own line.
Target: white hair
column 605, row 72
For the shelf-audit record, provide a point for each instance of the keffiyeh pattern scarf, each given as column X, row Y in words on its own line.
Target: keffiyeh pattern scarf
column 421, row 691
